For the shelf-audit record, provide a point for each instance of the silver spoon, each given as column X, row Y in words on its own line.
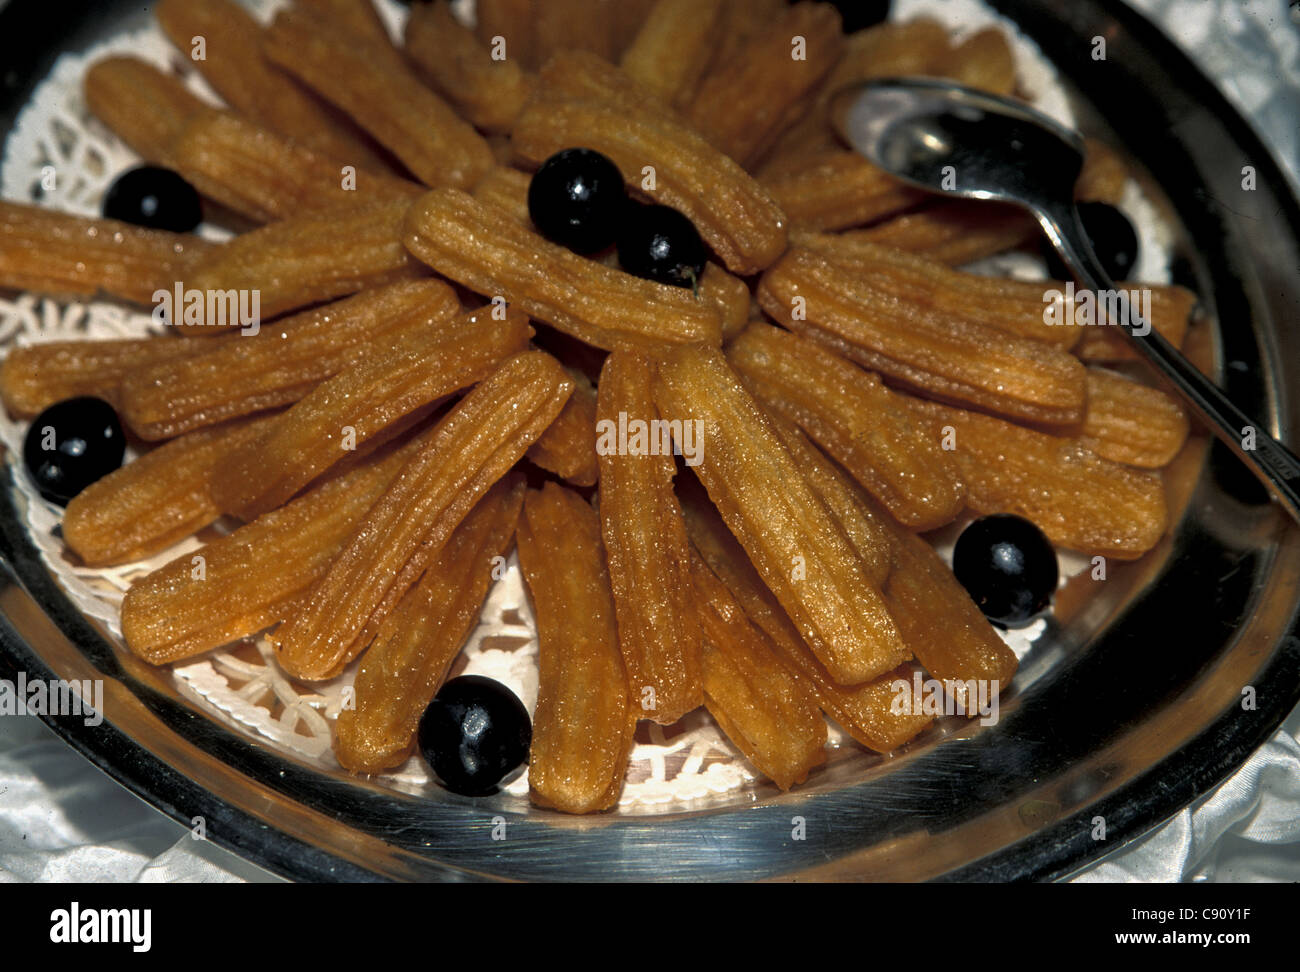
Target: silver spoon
column 947, row 138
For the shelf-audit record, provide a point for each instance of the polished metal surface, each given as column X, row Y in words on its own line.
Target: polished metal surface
column 1130, row 708
column 956, row 141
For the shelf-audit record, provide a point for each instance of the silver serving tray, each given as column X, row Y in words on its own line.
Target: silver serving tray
column 1127, row 710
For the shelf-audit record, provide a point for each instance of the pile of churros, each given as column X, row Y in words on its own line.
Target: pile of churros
column 432, row 376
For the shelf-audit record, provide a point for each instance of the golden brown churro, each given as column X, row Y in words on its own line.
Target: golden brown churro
column 277, row 366
column 1132, row 423
column 582, row 728
column 488, row 91
column 1078, row 499
column 310, row 258
column 759, row 703
column 513, row 22
column 784, row 526
column 60, row 255
column 233, row 63
column 575, row 25
column 160, row 498
column 415, row 646
column 838, row 189
column 34, row 377
column 486, row 250
column 867, row 535
column 381, row 94
column 344, row 412
column 674, row 47
column 145, row 107
column 745, row 103
column 645, row 542
column 593, row 104
column 242, row 583
column 568, row 447
column 938, row 353
column 867, row 711
column 472, row 447
column 856, row 419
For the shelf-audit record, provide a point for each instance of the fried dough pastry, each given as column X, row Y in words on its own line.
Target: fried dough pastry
column 730, row 295
column 1080, row 500
column 838, row 189
column 1132, row 423
column 583, row 724
column 34, row 377
column 745, row 104
column 575, row 25
column 842, row 497
column 759, row 703
column 358, row 18
column 938, row 620
column 585, row 102
column 674, row 47
column 867, row 711
column 920, row 46
column 648, row 554
column 856, row 419
column 629, row 15
column 344, row 412
column 144, row 107
column 247, row 580
column 489, row 93
column 582, row 76
column 733, row 213
column 1172, row 310
column 277, row 366
column 311, row 258
column 240, row 73
column 568, row 447
column 955, row 231
column 1017, row 306
column 59, row 255
column 472, row 447
column 984, row 60
column 153, row 501
column 1011, row 305
column 891, row 49
column 942, row 625
column 786, row 528
column 236, row 161
column 265, row 177
column 507, row 190
column 1104, row 174
column 415, row 646
column 936, row 352
column 380, row 93
column 515, row 22
column 741, row 21
column 487, row 251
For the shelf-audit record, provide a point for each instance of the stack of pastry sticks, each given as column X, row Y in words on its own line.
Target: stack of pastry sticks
column 834, row 384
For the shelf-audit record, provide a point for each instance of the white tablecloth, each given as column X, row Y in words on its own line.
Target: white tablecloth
column 62, row 820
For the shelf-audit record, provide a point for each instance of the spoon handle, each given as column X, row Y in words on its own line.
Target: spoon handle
column 1275, row 465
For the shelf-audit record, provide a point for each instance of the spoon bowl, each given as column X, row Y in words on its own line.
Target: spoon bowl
column 935, row 135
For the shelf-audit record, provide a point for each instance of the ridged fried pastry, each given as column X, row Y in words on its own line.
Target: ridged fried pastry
column 648, row 554
column 583, row 724
column 415, row 646
column 786, row 528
